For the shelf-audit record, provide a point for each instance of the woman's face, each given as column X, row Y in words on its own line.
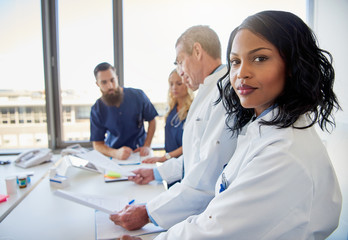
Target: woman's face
column 176, row 86
column 257, row 71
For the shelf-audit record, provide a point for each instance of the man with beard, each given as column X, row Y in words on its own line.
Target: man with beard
column 117, row 118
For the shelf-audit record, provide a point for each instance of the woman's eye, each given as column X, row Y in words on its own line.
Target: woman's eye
column 234, row 62
column 260, row 59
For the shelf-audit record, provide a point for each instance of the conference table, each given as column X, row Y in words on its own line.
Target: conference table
column 37, row 213
column 10, row 170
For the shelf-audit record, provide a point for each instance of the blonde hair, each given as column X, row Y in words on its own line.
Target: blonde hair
column 182, row 114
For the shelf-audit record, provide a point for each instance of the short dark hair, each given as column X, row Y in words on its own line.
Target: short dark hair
column 102, row 67
column 309, row 73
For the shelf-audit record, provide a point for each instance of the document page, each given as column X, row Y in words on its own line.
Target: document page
column 134, row 159
column 106, row 229
column 102, row 203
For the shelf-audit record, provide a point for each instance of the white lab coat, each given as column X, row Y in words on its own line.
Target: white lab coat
column 207, row 147
column 281, row 185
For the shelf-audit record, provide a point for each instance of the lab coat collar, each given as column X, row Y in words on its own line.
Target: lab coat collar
column 254, row 127
column 269, row 114
column 264, row 112
column 212, row 78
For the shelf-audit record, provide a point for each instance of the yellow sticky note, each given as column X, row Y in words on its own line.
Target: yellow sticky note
column 113, row 174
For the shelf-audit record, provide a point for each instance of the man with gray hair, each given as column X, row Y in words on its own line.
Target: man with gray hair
column 207, row 144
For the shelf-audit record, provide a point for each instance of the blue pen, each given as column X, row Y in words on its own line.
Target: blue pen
column 132, row 201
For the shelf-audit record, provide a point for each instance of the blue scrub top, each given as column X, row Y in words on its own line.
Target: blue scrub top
column 173, row 131
column 124, row 125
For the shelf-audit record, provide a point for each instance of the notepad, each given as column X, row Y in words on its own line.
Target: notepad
column 105, row 204
column 106, row 229
column 111, row 176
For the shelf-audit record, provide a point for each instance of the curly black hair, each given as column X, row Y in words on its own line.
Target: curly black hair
column 310, row 75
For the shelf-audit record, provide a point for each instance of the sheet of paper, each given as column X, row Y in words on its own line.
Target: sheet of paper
column 102, row 203
column 106, row 229
column 134, row 159
column 104, row 162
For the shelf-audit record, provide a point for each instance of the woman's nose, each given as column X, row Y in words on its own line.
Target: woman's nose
column 244, row 71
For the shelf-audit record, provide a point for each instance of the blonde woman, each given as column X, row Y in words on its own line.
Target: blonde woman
column 180, row 98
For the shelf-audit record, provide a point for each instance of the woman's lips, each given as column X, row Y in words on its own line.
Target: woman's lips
column 245, row 89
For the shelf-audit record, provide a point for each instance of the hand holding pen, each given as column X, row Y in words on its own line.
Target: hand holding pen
column 132, row 217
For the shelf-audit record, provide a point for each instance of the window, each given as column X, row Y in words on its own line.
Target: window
column 22, row 77
column 85, row 39
column 82, row 113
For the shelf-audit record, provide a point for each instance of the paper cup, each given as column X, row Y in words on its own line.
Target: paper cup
column 11, row 185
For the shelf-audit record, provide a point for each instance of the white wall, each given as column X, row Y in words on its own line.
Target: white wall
column 331, row 28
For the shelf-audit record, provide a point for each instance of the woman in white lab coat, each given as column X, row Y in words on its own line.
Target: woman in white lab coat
column 280, row 183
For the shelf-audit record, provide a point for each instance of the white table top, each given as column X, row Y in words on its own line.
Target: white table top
column 12, row 170
column 42, row 215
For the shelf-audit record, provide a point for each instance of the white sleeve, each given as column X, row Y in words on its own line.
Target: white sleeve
column 172, row 169
column 195, row 191
column 271, row 198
